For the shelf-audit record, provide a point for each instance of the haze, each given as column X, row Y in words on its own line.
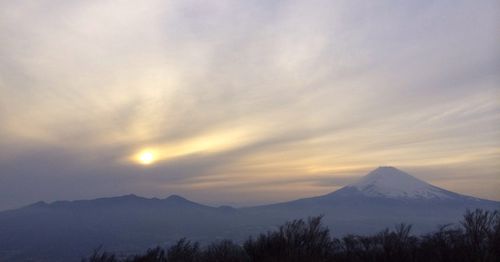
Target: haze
column 245, row 102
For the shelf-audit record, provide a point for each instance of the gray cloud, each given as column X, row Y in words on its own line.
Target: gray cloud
column 302, row 95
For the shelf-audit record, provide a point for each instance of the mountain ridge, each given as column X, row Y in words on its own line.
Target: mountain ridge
column 368, row 186
column 365, row 186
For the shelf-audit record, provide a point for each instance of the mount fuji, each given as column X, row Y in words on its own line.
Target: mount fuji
column 383, row 198
column 389, row 182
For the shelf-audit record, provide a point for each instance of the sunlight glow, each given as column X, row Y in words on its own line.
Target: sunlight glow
column 146, row 158
column 208, row 143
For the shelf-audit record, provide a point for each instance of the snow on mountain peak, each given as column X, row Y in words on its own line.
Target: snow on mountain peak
column 394, row 183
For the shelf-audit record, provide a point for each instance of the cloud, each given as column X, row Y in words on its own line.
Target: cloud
column 244, row 97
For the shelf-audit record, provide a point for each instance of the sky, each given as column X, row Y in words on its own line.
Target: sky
column 245, row 102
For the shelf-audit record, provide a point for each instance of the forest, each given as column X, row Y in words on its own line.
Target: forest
column 476, row 238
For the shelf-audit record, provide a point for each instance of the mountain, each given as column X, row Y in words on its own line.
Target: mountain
column 69, row 230
column 389, row 182
column 382, row 198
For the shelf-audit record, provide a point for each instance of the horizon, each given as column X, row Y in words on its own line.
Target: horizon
column 243, row 103
column 170, row 196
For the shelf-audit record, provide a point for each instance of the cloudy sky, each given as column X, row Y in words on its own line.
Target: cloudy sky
column 245, row 102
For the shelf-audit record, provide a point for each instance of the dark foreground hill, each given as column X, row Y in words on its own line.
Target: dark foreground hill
column 476, row 238
column 68, row 230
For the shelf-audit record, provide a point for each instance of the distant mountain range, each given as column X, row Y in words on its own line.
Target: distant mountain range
column 69, row 230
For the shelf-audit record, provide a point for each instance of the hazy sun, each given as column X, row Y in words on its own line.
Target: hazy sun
column 146, row 157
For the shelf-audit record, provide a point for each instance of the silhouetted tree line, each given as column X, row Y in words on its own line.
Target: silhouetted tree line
column 475, row 239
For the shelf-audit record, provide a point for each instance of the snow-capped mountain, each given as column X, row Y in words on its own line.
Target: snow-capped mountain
column 393, row 183
column 382, row 198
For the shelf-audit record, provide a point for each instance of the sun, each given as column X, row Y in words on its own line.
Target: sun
column 146, row 158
